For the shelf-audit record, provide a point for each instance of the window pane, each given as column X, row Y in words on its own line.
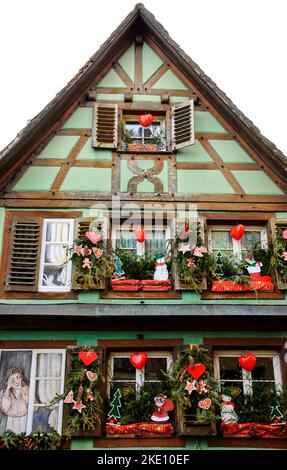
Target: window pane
column 125, row 239
column 56, row 254
column 44, row 419
column 221, row 240
column 46, row 389
column 126, row 388
column 57, row 231
column 154, row 366
column 49, row 365
column 263, row 369
column 230, row 369
column 155, row 241
column 54, row 276
column 123, row 370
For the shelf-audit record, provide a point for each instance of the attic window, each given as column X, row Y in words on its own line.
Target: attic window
column 135, row 137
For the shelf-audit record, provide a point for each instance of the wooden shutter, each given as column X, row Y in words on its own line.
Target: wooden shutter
column 71, row 355
column 105, row 126
column 24, row 254
column 182, row 125
column 180, row 225
column 277, row 226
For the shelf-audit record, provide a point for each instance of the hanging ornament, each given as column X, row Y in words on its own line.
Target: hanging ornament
column 79, row 406
column 87, row 357
column 284, row 234
column 97, row 252
column 237, row 231
column 247, row 362
column 190, row 386
column 139, row 234
column 93, row 237
column 70, row 397
column 92, row 376
column 138, row 360
column 116, row 404
column 145, row 119
column 196, row 371
column 184, row 235
column 205, row 404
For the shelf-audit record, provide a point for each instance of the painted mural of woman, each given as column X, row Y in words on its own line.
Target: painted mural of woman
column 14, row 400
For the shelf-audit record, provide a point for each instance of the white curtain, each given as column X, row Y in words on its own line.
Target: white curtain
column 57, row 232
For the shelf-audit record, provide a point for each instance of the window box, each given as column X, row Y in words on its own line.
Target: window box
column 143, row 147
column 254, row 430
column 262, row 283
column 139, row 430
column 150, row 285
column 125, row 285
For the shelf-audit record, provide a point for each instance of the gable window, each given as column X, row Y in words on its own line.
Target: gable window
column 55, row 269
column 267, row 370
column 220, row 240
column 29, row 381
column 138, row 138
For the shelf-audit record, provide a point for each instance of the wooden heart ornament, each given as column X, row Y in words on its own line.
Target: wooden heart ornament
column 205, row 404
column 138, row 360
column 196, row 371
column 145, row 119
column 93, row 237
column 247, row 362
column 87, row 357
column 237, row 231
column 92, row 376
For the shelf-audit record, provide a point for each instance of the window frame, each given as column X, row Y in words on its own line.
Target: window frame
column 32, row 382
column 66, row 288
column 160, row 116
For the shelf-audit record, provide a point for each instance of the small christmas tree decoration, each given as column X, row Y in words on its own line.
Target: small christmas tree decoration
column 119, row 272
column 276, row 414
column 247, row 362
column 114, row 413
column 237, row 231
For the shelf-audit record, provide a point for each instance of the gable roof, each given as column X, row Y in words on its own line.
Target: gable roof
column 138, row 20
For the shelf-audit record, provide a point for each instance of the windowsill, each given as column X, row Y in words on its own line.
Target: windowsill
column 169, row 295
column 242, row 295
column 247, row 442
column 153, row 152
column 140, row 442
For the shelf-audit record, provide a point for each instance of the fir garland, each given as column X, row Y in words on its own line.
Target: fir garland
column 33, row 441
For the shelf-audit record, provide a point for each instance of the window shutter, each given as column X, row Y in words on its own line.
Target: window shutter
column 24, row 254
column 71, row 366
column 276, row 227
column 180, row 225
column 83, row 225
column 105, row 127
column 182, row 125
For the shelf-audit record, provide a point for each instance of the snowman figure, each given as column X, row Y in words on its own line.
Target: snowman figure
column 228, row 414
column 161, row 272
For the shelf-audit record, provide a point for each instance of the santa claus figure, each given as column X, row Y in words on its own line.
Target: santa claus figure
column 162, row 406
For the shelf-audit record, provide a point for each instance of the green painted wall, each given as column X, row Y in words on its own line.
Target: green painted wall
column 127, row 61
column 88, row 179
column 202, row 182
column 111, row 80
column 206, row 122
column 230, row 151
column 59, row 147
column 151, row 62
column 193, row 154
column 37, row 178
column 82, row 118
column 178, row 99
column 147, row 98
column 169, row 81
column 256, row 182
column 89, row 152
column 110, row 97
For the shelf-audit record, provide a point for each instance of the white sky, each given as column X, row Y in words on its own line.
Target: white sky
column 241, row 45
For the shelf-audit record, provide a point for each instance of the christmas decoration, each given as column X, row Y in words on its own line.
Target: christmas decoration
column 284, row 255
column 263, row 284
column 140, row 429
column 237, row 231
column 70, row 397
column 190, row 386
column 88, row 357
column 87, row 263
column 162, row 406
column 139, row 234
column 119, row 273
column 275, row 412
column 86, row 251
column 196, row 370
column 116, row 405
column 92, row 376
column 199, row 251
column 228, row 414
column 284, row 234
column 247, row 362
column 94, row 237
column 161, row 272
column 97, row 252
column 191, row 263
column 219, row 264
column 205, row 404
column 184, row 248
column 138, row 360
column 184, row 235
column 202, row 387
column 145, row 119
column 79, row 406
column 253, row 267
column 254, row 430
column 34, row 441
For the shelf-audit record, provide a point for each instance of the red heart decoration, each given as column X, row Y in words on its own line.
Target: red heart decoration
column 87, row 357
column 138, row 360
column 93, row 237
column 196, row 371
column 205, row 404
column 247, row 362
column 237, row 231
column 145, row 119
column 139, row 234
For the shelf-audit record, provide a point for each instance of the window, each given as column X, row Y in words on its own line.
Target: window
column 266, row 371
column 220, row 240
column 122, row 375
column 55, row 269
column 29, row 381
column 156, row 240
column 137, row 137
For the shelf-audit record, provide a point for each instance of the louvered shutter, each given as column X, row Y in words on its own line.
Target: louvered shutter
column 182, row 125
column 277, row 228
column 179, row 228
column 105, row 126
column 72, row 364
column 24, row 254
column 83, row 225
